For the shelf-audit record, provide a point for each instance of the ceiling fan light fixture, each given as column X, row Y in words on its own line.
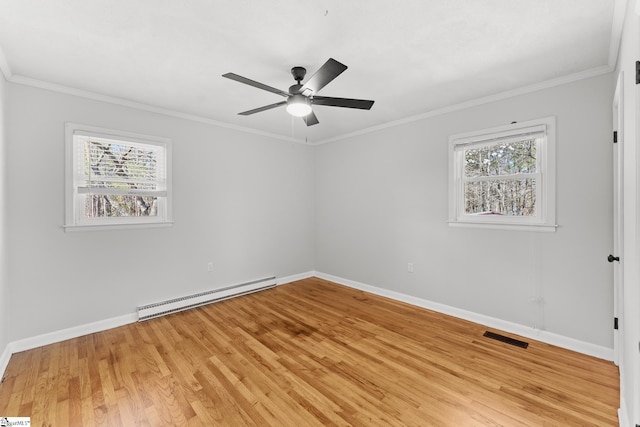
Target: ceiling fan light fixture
column 298, row 105
column 299, row 97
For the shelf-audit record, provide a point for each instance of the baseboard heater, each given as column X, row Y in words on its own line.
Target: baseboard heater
column 151, row 311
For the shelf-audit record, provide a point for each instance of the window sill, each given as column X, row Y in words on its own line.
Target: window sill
column 103, row 227
column 542, row 228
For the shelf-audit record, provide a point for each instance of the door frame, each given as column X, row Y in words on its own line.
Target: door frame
column 618, row 218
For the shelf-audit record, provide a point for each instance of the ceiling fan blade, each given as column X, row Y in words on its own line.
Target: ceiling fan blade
column 361, row 104
column 329, row 71
column 266, row 107
column 254, row 83
column 310, row 119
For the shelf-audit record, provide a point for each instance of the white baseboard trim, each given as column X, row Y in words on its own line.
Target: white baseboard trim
column 69, row 333
column 63, row 335
column 4, row 360
column 295, row 277
column 623, row 416
column 492, row 322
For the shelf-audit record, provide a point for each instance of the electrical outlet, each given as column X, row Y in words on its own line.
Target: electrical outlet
column 410, row 267
column 209, row 266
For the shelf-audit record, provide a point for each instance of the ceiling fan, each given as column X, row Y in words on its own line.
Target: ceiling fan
column 300, row 96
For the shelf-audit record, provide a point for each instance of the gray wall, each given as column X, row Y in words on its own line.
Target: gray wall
column 4, row 284
column 359, row 209
column 382, row 203
column 242, row 201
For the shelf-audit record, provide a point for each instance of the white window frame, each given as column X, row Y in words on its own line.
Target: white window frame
column 545, row 218
column 75, row 193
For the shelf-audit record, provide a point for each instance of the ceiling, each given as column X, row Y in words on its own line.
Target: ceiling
column 412, row 57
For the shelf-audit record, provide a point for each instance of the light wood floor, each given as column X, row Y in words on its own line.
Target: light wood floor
column 304, row 354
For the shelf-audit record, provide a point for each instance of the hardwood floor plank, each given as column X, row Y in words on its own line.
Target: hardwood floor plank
column 13, row 403
column 223, row 403
column 62, row 413
column 75, row 402
column 87, row 411
column 309, row 353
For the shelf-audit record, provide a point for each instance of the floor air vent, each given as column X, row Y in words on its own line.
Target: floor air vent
column 175, row 305
column 507, row 340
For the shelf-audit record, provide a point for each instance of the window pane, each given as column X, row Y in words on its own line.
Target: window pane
column 103, row 206
column 501, row 159
column 120, row 161
column 513, row 197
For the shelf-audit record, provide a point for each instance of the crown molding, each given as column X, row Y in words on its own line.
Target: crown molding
column 594, row 72
column 619, row 12
column 54, row 87
column 27, row 81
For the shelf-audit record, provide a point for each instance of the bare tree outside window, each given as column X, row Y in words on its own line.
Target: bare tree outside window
column 496, row 181
column 118, row 166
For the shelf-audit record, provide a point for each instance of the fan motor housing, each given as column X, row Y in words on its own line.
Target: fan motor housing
column 295, row 88
column 298, row 73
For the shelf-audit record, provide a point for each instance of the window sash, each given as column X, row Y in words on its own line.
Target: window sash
column 121, row 192
column 511, row 177
column 463, row 216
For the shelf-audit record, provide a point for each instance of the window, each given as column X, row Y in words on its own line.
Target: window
column 504, row 177
column 116, row 178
